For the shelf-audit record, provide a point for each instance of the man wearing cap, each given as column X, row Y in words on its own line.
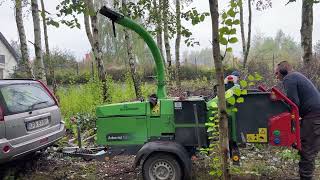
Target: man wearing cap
column 306, row 96
column 232, row 80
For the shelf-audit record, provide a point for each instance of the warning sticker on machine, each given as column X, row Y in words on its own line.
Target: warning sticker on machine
column 261, row 137
column 177, row 105
column 156, row 110
column 251, row 138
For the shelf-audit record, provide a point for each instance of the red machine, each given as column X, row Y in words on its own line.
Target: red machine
column 284, row 129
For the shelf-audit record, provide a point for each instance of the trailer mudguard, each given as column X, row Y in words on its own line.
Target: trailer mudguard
column 167, row 147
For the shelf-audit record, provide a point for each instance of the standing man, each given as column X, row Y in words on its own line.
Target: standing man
column 306, row 96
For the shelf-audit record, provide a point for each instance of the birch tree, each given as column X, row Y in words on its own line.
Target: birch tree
column 37, row 40
column 178, row 41
column 50, row 64
column 158, row 9
column 223, row 116
column 91, row 27
column 245, row 44
column 131, row 57
column 166, row 34
column 24, row 65
column 306, row 30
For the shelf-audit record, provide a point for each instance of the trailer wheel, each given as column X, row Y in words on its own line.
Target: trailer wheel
column 161, row 166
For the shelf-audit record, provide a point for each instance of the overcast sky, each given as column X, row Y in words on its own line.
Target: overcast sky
column 268, row 22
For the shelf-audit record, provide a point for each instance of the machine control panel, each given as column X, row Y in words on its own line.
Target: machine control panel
column 281, row 130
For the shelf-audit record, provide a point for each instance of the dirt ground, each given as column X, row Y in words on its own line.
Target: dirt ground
column 257, row 163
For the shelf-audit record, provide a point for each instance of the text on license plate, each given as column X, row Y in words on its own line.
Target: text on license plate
column 37, row 124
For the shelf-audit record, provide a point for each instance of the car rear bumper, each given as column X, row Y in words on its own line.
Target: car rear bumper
column 32, row 145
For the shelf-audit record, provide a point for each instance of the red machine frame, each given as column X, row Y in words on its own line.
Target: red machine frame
column 293, row 138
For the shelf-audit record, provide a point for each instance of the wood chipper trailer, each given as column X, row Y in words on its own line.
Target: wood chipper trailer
column 165, row 132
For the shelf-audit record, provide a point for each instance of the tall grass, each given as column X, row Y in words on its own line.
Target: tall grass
column 83, row 99
column 79, row 99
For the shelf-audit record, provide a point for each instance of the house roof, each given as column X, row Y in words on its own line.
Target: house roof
column 9, row 47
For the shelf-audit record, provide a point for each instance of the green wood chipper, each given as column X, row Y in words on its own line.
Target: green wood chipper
column 165, row 132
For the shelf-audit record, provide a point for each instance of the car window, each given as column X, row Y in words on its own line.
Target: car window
column 25, row 97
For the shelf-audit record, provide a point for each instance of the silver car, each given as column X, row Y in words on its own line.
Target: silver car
column 30, row 118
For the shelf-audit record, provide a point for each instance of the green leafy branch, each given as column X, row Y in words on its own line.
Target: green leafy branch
column 227, row 33
column 234, row 96
column 238, row 92
column 196, row 18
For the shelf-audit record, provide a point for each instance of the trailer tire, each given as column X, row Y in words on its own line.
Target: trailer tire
column 161, row 166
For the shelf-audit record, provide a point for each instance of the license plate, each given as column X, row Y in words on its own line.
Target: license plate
column 37, row 124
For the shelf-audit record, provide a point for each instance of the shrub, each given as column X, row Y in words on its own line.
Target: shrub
column 79, row 99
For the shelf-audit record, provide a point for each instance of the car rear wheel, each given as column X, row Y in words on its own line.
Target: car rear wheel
column 162, row 166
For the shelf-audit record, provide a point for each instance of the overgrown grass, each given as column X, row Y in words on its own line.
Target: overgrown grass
column 82, row 100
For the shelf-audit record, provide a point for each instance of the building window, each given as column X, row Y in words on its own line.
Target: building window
column 2, row 59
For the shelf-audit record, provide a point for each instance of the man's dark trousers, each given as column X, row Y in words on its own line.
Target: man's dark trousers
column 310, row 140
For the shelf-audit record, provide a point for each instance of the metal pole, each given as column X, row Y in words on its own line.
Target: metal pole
column 197, row 125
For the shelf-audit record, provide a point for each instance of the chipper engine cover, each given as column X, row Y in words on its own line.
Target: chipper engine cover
column 130, row 125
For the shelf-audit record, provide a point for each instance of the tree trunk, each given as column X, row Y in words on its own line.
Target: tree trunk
column 166, row 39
column 132, row 62
column 223, row 118
column 50, row 66
column 249, row 35
column 37, row 39
column 24, row 64
column 88, row 29
column 306, row 30
column 158, row 17
column 96, row 47
column 45, row 31
column 243, row 38
column 178, row 41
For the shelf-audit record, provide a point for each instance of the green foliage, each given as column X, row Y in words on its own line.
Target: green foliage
column 81, row 99
column 121, row 92
column 251, row 78
column 231, row 100
column 263, row 169
column 280, row 47
column 227, row 32
column 243, row 83
column 288, row 154
column 240, row 100
column 144, row 11
column 78, row 102
column 67, row 13
column 195, row 17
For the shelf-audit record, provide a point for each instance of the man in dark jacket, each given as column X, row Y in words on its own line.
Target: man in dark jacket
column 306, row 96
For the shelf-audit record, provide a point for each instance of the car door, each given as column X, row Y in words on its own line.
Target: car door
column 29, row 110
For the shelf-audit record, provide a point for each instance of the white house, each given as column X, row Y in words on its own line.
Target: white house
column 8, row 58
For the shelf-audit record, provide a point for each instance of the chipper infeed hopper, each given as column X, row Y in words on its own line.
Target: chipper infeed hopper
column 267, row 117
column 165, row 132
